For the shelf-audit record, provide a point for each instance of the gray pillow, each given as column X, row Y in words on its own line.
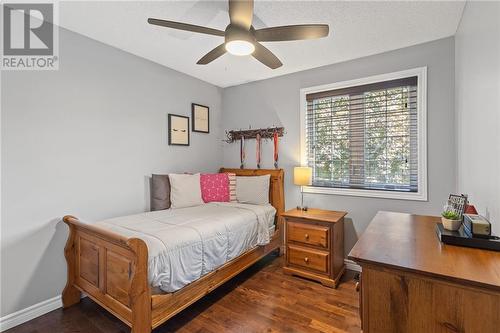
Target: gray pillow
column 253, row 189
column 160, row 192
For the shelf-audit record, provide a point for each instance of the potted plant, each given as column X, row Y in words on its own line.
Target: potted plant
column 451, row 220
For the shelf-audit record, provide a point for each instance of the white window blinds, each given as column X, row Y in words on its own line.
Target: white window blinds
column 364, row 137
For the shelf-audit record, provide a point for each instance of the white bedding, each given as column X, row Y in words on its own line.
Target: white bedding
column 187, row 243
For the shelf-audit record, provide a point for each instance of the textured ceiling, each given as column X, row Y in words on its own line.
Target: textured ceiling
column 357, row 29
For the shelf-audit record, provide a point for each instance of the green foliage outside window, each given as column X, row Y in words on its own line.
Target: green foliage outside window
column 363, row 139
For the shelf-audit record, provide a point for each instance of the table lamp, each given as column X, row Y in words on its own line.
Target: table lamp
column 302, row 176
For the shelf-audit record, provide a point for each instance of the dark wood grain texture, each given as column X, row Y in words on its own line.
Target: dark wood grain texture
column 321, row 215
column 112, row 269
column 261, row 299
column 408, row 242
column 397, row 301
column 70, row 295
column 315, row 235
column 410, row 282
column 314, row 241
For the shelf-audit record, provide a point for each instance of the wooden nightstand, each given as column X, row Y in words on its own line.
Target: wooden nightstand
column 314, row 243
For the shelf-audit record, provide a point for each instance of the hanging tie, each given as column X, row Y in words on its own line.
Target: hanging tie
column 275, row 139
column 242, row 152
column 257, row 157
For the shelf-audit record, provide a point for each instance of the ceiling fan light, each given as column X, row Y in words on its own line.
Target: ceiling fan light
column 240, row 47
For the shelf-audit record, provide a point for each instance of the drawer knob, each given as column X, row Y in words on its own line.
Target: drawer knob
column 306, row 259
column 307, row 236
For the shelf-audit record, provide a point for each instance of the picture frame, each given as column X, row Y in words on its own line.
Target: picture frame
column 200, row 115
column 178, row 130
column 457, row 203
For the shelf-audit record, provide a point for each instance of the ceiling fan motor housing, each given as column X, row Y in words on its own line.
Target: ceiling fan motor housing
column 241, row 38
column 234, row 32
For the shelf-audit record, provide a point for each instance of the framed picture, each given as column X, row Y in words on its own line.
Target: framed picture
column 201, row 119
column 457, row 203
column 178, row 130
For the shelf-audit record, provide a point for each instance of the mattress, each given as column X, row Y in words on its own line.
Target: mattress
column 186, row 243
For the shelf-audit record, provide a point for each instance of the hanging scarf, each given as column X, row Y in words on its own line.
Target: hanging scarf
column 242, row 152
column 258, row 142
column 275, row 139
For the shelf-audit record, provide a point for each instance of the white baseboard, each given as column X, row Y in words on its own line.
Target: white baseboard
column 351, row 265
column 29, row 313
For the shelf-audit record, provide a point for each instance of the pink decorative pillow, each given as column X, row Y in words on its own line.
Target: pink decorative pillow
column 215, row 187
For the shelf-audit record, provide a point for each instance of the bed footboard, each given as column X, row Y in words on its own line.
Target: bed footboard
column 110, row 269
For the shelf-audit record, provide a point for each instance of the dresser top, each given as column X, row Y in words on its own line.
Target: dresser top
column 321, row 215
column 409, row 242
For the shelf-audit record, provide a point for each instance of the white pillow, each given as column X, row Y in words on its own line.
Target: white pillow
column 253, row 189
column 185, row 190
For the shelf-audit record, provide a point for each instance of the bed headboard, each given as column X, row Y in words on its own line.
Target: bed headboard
column 276, row 187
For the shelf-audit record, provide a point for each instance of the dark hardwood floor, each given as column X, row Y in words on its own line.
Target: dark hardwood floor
column 261, row 299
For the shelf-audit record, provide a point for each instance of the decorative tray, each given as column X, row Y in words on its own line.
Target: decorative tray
column 461, row 238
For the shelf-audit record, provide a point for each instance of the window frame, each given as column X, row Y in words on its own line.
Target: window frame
column 421, row 194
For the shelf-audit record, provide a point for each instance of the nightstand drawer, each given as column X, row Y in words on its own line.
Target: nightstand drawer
column 312, row 259
column 314, row 244
column 309, row 234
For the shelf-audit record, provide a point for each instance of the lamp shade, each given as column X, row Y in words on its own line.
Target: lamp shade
column 302, row 176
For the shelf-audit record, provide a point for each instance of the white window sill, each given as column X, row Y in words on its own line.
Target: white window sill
column 415, row 196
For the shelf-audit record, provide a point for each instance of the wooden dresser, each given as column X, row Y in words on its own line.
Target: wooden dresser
column 411, row 282
column 314, row 242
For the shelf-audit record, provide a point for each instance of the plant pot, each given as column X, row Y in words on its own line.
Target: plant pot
column 452, row 225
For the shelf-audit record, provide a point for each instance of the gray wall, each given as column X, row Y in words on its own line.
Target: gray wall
column 276, row 102
column 82, row 140
column 477, row 50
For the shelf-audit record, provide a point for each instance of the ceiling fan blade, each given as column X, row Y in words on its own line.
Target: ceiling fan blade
column 266, row 57
column 292, row 32
column 241, row 13
column 212, row 55
column 186, row 27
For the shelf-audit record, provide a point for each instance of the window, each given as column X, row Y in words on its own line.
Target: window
column 367, row 137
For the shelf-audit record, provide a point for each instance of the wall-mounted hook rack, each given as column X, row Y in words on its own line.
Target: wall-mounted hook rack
column 265, row 133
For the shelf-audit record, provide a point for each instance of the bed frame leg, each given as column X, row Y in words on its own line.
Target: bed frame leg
column 281, row 227
column 140, row 323
column 140, row 293
column 70, row 295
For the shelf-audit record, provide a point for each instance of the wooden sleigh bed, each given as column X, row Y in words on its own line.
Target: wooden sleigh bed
column 112, row 269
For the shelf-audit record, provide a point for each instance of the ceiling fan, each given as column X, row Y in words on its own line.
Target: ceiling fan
column 240, row 37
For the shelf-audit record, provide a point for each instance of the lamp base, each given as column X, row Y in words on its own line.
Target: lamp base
column 303, row 208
